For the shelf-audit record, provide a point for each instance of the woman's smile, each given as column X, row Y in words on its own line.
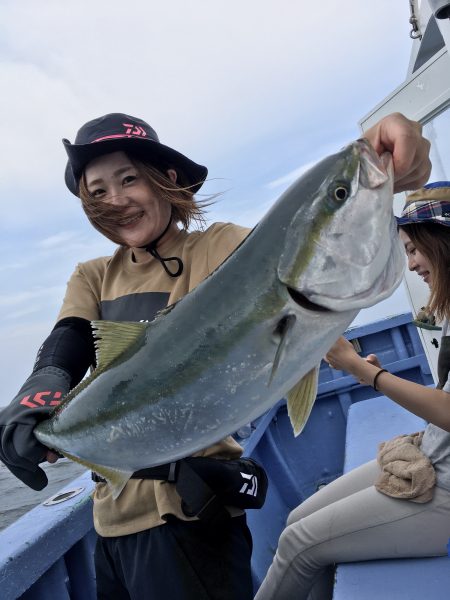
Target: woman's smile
column 115, row 180
column 130, row 221
column 417, row 261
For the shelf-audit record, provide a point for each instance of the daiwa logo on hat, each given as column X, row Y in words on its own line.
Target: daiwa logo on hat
column 130, row 131
column 134, row 130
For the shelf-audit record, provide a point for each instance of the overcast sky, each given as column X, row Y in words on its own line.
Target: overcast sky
column 256, row 90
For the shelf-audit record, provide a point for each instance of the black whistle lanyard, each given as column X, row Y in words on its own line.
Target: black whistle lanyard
column 151, row 249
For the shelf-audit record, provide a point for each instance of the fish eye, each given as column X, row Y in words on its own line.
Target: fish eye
column 339, row 192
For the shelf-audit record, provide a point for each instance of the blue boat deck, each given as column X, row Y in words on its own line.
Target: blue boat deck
column 48, row 552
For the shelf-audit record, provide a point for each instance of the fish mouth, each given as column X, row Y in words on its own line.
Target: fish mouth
column 301, row 300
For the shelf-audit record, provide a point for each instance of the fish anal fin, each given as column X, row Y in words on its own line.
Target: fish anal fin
column 115, row 478
column 112, row 338
column 300, row 400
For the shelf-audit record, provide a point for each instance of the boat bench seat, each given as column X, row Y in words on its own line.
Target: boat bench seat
column 370, row 422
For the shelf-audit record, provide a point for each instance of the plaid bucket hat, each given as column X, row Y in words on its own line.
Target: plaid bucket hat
column 118, row 131
column 431, row 203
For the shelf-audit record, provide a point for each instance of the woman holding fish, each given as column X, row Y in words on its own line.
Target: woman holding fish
column 379, row 510
column 137, row 192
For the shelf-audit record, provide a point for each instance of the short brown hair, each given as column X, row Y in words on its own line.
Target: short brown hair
column 433, row 241
column 185, row 208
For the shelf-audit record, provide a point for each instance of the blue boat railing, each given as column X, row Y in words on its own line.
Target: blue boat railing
column 47, row 554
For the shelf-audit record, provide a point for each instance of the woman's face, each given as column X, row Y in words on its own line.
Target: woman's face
column 113, row 178
column 416, row 261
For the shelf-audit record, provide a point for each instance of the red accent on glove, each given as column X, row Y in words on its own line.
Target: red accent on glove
column 39, row 399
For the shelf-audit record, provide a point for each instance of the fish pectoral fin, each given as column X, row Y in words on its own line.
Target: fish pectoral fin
column 300, row 400
column 112, row 338
column 282, row 331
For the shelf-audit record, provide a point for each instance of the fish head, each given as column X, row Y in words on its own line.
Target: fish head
column 342, row 250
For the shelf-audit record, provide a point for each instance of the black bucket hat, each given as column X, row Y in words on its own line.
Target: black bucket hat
column 119, row 132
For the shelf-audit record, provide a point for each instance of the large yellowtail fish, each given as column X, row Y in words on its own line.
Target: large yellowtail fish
column 250, row 334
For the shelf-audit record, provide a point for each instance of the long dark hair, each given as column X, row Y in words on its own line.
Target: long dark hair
column 433, row 241
column 185, row 208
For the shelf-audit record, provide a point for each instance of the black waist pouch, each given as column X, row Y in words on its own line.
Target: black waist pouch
column 241, row 482
column 207, row 485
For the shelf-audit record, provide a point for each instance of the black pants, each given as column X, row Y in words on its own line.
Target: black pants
column 177, row 561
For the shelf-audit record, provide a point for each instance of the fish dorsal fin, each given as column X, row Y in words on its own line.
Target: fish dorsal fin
column 112, row 338
column 301, row 398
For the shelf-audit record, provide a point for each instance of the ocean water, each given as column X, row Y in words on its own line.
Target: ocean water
column 16, row 498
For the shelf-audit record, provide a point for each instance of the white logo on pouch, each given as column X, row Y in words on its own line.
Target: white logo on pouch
column 250, row 487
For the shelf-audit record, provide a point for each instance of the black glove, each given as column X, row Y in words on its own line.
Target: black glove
column 20, row 451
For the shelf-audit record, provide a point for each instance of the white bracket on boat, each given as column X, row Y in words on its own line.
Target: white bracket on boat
column 356, row 345
column 63, row 496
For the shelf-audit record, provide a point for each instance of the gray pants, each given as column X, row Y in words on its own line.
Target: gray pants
column 346, row 521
